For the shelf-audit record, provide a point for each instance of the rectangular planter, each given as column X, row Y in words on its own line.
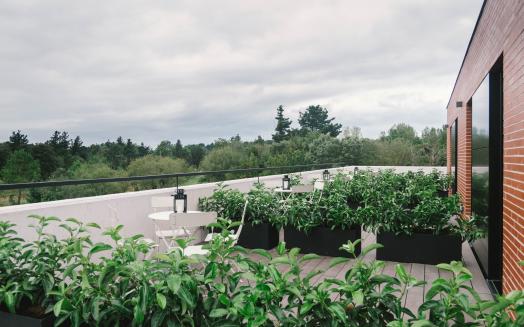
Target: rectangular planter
column 261, row 236
column 8, row 319
column 419, row 248
column 322, row 240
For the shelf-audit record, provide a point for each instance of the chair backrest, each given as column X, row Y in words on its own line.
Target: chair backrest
column 319, row 185
column 239, row 230
column 302, row 188
column 161, row 202
column 194, row 219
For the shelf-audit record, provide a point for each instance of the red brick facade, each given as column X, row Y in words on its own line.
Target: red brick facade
column 499, row 32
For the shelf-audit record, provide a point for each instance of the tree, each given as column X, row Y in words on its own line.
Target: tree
column 401, row 131
column 164, row 149
column 47, row 158
column 178, row 151
column 4, row 153
column 18, row 141
column 155, row 165
column 82, row 170
column 195, row 153
column 316, row 119
column 20, row 168
column 434, row 146
column 283, row 125
column 77, row 147
column 60, row 142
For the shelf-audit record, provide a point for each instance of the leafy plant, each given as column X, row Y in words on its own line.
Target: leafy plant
column 263, row 206
column 113, row 284
column 227, row 202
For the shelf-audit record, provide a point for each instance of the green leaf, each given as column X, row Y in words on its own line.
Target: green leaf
column 338, row 311
column 370, row 248
column 57, row 308
column 305, row 308
column 263, row 253
column 94, row 225
column 336, row 261
column 358, row 297
column 174, row 282
column 422, row 323
column 10, row 301
column 280, row 260
column 99, row 247
column 281, row 248
column 309, row 256
column 161, row 300
column 217, row 313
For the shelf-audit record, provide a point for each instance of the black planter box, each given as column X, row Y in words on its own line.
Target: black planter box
column 443, row 193
column 322, row 240
column 261, row 236
column 8, row 319
column 419, row 248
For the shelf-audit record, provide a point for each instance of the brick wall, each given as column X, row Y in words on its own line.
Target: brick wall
column 500, row 31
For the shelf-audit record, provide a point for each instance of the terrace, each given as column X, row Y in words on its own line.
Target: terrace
column 132, row 209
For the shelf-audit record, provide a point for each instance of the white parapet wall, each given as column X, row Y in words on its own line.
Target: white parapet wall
column 131, row 209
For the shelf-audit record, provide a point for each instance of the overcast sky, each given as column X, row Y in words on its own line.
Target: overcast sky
column 200, row 70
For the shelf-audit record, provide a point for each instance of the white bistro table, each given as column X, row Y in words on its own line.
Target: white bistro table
column 164, row 215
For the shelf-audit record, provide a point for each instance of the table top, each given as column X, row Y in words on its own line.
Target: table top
column 164, row 215
column 296, row 189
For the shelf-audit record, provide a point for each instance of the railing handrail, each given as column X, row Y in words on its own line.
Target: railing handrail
column 18, row 186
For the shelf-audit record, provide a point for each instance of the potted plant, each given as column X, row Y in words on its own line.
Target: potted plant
column 259, row 231
column 31, row 272
column 415, row 224
column 322, row 222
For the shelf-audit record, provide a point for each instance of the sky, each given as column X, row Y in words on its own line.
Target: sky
column 201, row 70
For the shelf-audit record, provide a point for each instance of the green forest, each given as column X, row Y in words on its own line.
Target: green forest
column 318, row 139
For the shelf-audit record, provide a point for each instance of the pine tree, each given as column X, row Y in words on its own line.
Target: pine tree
column 283, row 125
column 178, row 152
column 18, row 141
column 316, row 119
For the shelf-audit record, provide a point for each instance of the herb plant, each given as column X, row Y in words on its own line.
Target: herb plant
column 114, row 284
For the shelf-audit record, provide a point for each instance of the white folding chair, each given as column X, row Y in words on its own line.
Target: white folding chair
column 115, row 221
column 198, row 249
column 192, row 220
column 164, row 203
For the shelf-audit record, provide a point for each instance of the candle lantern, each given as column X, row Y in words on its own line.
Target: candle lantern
column 325, row 175
column 286, row 183
column 355, row 170
column 180, row 201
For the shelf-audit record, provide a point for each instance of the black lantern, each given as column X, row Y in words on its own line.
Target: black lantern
column 286, row 183
column 355, row 170
column 180, row 201
column 325, row 175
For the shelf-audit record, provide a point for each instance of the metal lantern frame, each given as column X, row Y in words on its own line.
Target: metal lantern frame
column 286, row 182
column 179, row 196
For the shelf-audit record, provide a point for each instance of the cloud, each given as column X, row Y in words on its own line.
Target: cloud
column 200, row 70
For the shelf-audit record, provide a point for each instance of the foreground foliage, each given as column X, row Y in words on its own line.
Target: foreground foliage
column 111, row 284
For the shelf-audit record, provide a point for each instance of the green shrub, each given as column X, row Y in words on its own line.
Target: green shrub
column 226, row 287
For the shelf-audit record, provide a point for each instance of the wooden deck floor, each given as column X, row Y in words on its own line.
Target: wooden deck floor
column 428, row 273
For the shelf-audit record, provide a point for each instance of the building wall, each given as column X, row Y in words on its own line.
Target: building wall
column 500, row 31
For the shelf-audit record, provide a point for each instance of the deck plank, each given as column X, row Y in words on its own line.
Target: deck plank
column 415, row 295
column 478, row 282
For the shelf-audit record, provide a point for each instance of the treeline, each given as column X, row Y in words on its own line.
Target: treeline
column 318, row 139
